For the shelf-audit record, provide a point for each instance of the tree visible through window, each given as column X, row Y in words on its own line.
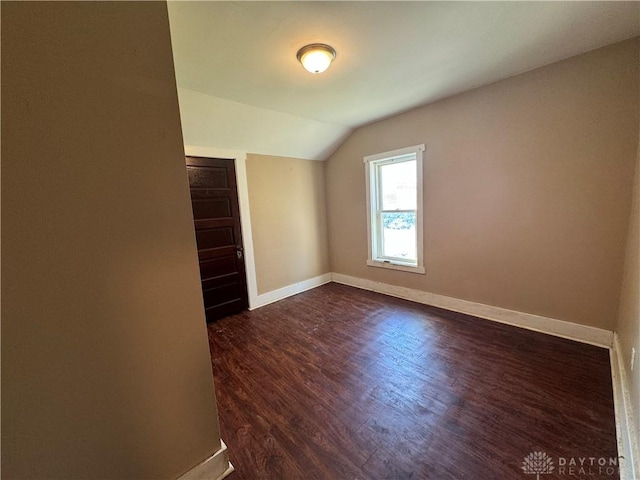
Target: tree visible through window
column 394, row 202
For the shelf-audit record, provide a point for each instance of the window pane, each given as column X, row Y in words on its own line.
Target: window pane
column 399, row 235
column 398, row 185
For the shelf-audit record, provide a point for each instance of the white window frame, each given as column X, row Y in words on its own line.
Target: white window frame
column 373, row 203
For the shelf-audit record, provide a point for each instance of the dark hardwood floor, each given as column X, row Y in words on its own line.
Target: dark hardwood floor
column 340, row 383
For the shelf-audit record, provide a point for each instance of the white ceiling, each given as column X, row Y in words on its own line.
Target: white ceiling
column 391, row 57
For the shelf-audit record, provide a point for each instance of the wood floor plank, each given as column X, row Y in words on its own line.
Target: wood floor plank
column 340, row 383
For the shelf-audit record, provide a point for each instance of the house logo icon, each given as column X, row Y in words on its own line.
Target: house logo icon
column 537, row 463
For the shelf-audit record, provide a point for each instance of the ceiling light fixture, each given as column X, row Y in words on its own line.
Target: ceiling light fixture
column 316, row 57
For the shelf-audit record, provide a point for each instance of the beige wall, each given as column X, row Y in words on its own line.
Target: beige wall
column 527, row 187
column 288, row 220
column 628, row 327
column 105, row 364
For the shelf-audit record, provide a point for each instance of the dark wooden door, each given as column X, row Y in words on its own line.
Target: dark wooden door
column 214, row 198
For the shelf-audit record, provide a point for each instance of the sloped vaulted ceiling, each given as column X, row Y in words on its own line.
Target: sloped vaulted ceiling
column 241, row 87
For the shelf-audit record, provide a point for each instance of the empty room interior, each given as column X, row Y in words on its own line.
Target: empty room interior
column 320, row 240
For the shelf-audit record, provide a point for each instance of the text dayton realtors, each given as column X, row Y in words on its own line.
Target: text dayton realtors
column 587, row 465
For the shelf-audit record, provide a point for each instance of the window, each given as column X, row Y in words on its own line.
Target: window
column 394, row 206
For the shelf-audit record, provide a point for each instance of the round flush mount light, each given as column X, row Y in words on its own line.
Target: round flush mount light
column 316, row 57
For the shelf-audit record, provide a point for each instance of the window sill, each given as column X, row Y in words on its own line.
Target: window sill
column 396, row 266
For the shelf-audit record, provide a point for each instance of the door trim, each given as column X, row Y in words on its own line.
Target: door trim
column 240, row 161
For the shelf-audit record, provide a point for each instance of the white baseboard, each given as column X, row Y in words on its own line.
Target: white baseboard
column 279, row 294
column 627, row 436
column 216, row 467
column 551, row 326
